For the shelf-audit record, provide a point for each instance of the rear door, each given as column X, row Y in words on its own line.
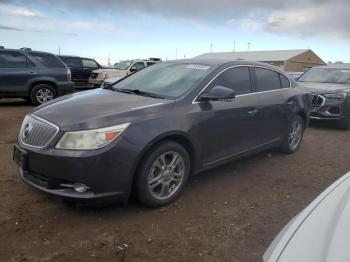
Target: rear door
column 230, row 127
column 274, row 107
column 89, row 65
column 16, row 70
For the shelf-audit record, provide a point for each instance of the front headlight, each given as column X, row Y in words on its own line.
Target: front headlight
column 90, row 139
column 339, row 96
column 103, row 75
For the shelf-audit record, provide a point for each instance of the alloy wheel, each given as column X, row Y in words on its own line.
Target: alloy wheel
column 295, row 135
column 166, row 175
column 44, row 95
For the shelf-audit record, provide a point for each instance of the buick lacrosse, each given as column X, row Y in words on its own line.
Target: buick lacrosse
column 150, row 131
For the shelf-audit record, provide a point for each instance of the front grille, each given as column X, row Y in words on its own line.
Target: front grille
column 317, row 101
column 37, row 132
column 93, row 75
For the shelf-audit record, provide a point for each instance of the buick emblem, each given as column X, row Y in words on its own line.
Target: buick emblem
column 26, row 131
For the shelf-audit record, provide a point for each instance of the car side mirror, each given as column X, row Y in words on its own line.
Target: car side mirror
column 218, row 93
column 133, row 69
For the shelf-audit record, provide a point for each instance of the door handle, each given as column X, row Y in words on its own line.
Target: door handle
column 253, row 111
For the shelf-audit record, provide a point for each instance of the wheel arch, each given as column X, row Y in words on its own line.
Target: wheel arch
column 39, row 82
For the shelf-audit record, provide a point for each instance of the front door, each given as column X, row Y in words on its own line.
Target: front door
column 230, row 127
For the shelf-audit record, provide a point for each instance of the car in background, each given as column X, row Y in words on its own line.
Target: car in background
column 330, row 93
column 121, row 69
column 81, row 68
column 318, row 233
column 36, row 76
column 295, row 75
column 110, row 81
column 148, row 132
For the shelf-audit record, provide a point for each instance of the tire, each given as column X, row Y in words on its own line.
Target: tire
column 345, row 123
column 295, row 135
column 154, row 175
column 42, row 93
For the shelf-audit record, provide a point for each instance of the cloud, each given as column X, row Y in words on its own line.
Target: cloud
column 19, row 11
column 4, row 27
column 302, row 18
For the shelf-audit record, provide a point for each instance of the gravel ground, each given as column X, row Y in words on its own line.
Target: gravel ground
column 230, row 213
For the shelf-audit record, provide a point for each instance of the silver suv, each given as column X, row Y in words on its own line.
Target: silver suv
column 120, row 70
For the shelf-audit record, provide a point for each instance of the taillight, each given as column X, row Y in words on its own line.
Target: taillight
column 69, row 75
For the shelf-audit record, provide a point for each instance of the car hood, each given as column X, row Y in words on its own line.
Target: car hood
column 320, row 232
column 101, row 108
column 110, row 70
column 325, row 87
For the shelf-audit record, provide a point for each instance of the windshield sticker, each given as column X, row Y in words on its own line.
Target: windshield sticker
column 198, row 67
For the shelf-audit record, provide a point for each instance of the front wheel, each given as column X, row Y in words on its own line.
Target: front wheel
column 163, row 175
column 295, row 135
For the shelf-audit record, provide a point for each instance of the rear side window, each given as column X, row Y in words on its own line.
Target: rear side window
column 48, row 60
column 150, row 63
column 267, row 80
column 13, row 59
column 284, row 81
column 238, row 79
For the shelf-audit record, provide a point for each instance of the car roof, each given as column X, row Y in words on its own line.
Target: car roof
column 223, row 62
column 25, row 51
column 334, row 66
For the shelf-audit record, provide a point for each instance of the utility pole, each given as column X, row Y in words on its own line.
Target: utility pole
column 211, row 47
column 234, row 46
column 59, row 50
column 249, row 44
column 176, row 53
column 109, row 59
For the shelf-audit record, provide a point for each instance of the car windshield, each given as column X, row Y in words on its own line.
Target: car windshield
column 327, row 75
column 123, row 65
column 166, row 80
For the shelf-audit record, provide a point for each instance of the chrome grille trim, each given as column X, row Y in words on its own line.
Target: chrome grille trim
column 41, row 134
column 317, row 101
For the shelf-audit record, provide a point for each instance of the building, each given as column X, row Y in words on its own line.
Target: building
column 289, row 60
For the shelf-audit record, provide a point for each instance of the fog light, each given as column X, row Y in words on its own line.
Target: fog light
column 81, row 188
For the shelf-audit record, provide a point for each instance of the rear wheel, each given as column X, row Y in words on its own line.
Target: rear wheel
column 295, row 135
column 42, row 93
column 163, row 175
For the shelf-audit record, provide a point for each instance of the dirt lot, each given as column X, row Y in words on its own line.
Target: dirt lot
column 230, row 213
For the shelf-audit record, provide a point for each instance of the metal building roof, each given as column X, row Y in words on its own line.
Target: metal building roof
column 270, row 56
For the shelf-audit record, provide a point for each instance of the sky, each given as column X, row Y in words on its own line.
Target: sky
column 170, row 29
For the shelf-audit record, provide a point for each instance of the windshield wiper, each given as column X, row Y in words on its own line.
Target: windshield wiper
column 138, row 92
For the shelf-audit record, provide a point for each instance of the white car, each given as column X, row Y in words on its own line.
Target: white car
column 111, row 80
column 320, row 232
column 122, row 69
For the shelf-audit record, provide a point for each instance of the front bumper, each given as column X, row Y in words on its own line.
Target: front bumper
column 96, row 82
column 108, row 172
column 328, row 109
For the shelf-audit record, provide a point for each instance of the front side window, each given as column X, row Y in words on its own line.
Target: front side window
column 167, row 80
column 326, row 75
column 48, row 60
column 13, row 59
column 267, row 80
column 139, row 65
column 238, row 79
column 89, row 63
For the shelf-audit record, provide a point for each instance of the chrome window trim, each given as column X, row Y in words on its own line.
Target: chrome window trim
column 194, row 101
column 44, row 121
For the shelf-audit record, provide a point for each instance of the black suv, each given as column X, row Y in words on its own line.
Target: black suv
column 36, row 76
column 81, row 68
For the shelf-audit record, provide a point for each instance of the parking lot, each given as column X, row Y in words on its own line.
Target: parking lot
column 230, row 213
